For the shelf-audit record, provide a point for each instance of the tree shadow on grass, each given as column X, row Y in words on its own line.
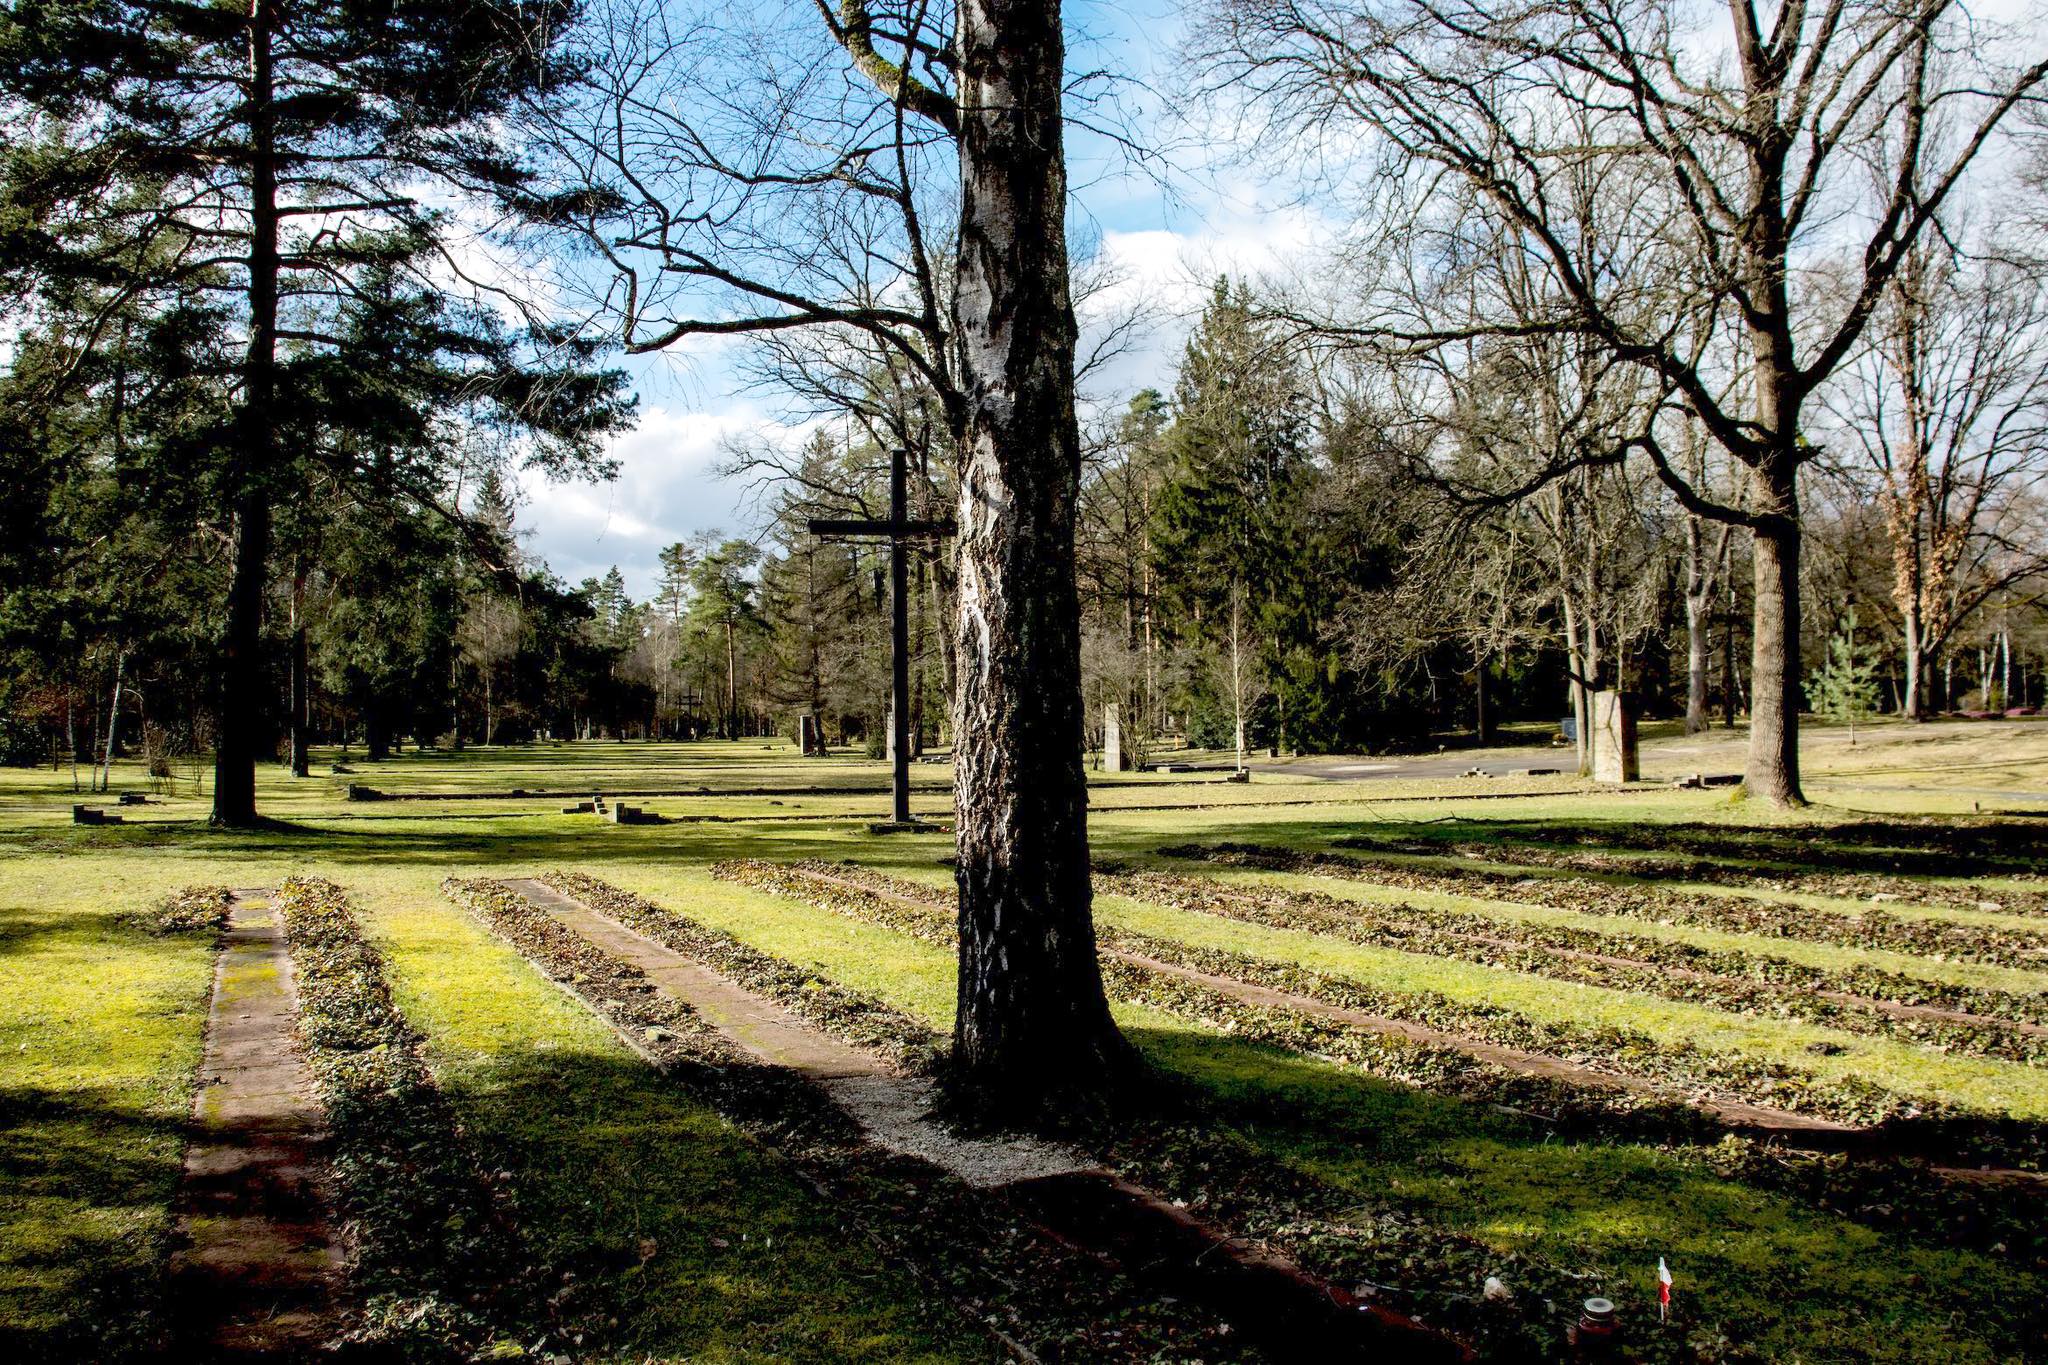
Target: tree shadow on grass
column 1879, row 847
column 665, row 1231
column 88, row 1187
column 26, row 930
column 1792, row 1273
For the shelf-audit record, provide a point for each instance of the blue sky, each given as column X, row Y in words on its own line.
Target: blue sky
column 1164, row 242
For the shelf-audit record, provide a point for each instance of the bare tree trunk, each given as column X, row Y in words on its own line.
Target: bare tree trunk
column 1728, row 706
column 1696, row 612
column 298, row 750
column 1575, row 690
column 1482, row 715
column 241, row 694
column 1032, row 1033
column 942, row 591
column 104, row 781
column 1701, row 579
column 1151, row 649
column 1914, row 704
column 2005, row 667
column 1237, row 674
column 1773, row 770
column 899, row 745
column 732, row 685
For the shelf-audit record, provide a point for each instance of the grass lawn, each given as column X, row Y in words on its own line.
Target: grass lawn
column 100, row 1027
column 703, row 1244
column 610, row 1165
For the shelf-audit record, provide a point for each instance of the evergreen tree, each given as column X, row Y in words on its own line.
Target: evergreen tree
column 1845, row 687
column 672, row 596
column 386, row 634
column 267, row 160
column 722, row 608
column 1227, row 530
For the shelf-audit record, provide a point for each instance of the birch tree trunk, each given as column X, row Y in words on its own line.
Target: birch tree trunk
column 104, row 781
column 1032, row 1036
column 1914, row 705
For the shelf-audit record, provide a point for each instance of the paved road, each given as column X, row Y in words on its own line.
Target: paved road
column 1351, row 768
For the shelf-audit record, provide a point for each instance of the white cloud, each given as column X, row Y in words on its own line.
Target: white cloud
column 668, row 487
column 1169, row 272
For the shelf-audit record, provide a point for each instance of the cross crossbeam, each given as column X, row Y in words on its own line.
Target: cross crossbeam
column 835, row 528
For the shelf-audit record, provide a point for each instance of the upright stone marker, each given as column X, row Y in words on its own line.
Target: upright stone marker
column 1112, row 738
column 1614, row 739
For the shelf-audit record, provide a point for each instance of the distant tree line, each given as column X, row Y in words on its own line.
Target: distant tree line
column 1273, row 557
column 1264, row 561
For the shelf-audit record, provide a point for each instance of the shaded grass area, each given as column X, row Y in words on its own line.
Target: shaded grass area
column 664, row 1228
column 100, row 1029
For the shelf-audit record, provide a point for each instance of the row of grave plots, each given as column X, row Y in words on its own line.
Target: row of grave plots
column 1388, row 1082
column 1775, row 1094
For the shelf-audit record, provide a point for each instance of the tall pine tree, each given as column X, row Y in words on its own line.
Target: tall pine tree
column 269, row 158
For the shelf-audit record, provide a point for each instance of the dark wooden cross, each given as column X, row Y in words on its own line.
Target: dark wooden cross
column 899, row 531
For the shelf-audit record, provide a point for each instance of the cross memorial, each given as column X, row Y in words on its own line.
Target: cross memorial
column 899, row 531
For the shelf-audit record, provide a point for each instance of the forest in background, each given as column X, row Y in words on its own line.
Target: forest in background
column 1306, row 538
column 1256, row 542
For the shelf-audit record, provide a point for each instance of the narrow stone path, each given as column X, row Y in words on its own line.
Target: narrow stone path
column 259, row 1271
column 893, row 1109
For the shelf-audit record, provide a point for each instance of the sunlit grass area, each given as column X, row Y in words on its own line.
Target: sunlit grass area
column 100, row 1027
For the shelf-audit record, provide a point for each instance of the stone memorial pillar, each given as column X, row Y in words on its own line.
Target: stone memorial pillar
column 1614, row 739
column 1112, row 738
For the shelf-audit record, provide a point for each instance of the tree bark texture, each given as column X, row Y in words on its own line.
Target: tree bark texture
column 1696, row 615
column 1773, row 770
column 1033, row 1032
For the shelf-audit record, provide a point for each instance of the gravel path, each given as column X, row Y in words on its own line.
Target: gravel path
column 894, row 1110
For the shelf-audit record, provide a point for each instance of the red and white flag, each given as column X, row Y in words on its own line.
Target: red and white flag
column 1663, row 1290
